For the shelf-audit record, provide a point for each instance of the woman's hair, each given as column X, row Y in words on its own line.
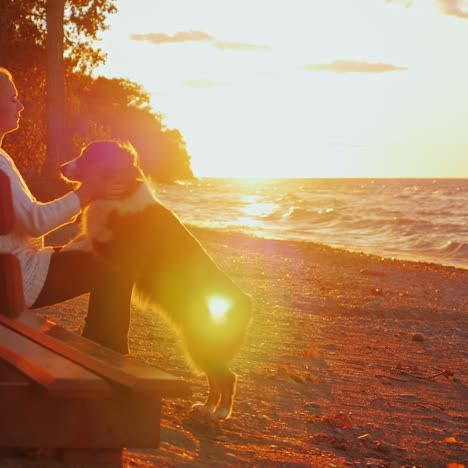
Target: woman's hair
column 6, row 72
column 5, row 75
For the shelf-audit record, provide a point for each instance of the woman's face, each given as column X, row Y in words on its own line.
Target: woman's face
column 10, row 106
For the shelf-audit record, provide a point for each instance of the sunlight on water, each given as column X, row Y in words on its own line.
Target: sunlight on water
column 255, row 209
column 218, row 307
column 248, row 222
column 400, row 218
column 259, row 209
column 250, row 198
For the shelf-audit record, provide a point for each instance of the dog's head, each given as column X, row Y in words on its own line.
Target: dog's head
column 106, row 159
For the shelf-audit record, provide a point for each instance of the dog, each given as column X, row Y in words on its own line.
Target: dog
column 172, row 271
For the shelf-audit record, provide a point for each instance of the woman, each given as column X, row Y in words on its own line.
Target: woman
column 50, row 276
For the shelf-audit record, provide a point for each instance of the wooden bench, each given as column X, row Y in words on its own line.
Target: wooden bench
column 59, row 390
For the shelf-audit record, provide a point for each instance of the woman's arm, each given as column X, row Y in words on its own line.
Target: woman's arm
column 35, row 218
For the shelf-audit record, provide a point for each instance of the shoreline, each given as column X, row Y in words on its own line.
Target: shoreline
column 392, row 218
column 412, row 258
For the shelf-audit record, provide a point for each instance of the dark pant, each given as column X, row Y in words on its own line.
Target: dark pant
column 74, row 273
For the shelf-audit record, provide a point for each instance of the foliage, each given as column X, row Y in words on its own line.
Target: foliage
column 95, row 108
column 24, row 30
column 23, row 45
column 23, row 54
column 117, row 108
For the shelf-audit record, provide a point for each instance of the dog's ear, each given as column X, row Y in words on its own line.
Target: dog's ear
column 129, row 174
column 124, row 158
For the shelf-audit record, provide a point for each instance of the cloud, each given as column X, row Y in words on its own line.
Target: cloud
column 240, row 46
column 405, row 3
column 350, row 66
column 458, row 8
column 181, row 36
column 196, row 36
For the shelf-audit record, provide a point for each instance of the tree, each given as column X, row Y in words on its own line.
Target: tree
column 94, row 108
column 24, row 56
column 23, row 40
column 55, row 82
column 117, row 108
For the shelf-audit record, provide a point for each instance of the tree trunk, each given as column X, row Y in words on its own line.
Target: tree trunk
column 55, row 10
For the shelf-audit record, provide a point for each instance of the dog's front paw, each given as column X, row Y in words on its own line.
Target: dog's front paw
column 203, row 409
column 221, row 413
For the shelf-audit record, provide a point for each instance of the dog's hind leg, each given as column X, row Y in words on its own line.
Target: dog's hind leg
column 227, row 384
column 212, row 400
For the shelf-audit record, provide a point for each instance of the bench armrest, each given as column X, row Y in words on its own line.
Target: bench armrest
column 6, row 205
column 11, row 285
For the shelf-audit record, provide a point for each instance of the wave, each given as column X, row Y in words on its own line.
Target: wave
column 453, row 249
column 295, row 213
column 390, row 217
column 453, row 254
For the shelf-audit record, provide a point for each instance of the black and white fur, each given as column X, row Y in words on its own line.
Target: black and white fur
column 172, row 270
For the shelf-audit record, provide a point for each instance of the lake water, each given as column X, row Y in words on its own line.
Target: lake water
column 415, row 219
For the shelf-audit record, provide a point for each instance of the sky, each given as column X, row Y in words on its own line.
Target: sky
column 303, row 88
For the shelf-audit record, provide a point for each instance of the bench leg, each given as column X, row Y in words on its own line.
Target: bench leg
column 108, row 458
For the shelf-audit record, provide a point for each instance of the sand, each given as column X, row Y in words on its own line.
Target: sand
column 351, row 360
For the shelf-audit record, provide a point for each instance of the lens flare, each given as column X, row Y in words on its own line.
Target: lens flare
column 218, row 307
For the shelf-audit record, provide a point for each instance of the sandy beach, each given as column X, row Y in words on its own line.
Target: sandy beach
column 351, row 360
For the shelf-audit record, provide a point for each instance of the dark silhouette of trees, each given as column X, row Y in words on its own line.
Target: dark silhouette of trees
column 22, row 52
column 94, row 108
column 121, row 109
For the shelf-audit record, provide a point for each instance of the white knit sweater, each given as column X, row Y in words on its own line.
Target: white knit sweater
column 33, row 220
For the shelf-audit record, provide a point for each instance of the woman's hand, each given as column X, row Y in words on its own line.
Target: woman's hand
column 94, row 189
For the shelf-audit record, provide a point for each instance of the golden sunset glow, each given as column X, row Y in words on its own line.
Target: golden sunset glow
column 303, row 89
column 259, row 209
column 218, row 307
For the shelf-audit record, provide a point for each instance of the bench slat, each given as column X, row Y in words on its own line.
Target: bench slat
column 124, row 370
column 59, row 377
